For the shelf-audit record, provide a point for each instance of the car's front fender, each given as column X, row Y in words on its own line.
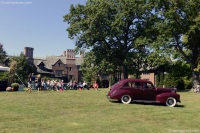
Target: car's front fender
column 164, row 96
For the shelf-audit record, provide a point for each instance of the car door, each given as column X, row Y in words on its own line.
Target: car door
column 148, row 92
column 130, row 89
column 137, row 91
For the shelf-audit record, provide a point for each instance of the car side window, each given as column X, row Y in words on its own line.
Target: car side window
column 128, row 84
column 150, row 85
column 125, row 85
column 144, row 85
column 147, row 86
column 137, row 85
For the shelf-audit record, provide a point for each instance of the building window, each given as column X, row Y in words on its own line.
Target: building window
column 59, row 64
column 41, row 66
column 70, row 69
column 58, row 73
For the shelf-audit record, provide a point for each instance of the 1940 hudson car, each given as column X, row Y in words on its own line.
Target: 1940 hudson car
column 138, row 90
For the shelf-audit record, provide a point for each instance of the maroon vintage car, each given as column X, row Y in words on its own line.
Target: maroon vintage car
column 138, row 90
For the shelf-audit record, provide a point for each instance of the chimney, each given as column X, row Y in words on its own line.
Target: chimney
column 28, row 52
column 70, row 54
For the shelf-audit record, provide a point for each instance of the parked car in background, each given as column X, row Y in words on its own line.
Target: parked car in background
column 138, row 90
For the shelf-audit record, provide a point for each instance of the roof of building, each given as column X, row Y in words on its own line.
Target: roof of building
column 51, row 60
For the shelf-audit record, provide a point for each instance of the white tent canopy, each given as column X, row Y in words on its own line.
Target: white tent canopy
column 4, row 68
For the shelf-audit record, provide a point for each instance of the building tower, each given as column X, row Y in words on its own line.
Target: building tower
column 69, row 54
column 28, row 52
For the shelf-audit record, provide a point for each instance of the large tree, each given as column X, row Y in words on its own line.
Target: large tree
column 20, row 69
column 2, row 53
column 112, row 29
column 178, row 30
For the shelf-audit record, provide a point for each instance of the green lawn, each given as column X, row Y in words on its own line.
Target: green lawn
column 90, row 112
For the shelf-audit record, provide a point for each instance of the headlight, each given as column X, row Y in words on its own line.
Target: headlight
column 173, row 91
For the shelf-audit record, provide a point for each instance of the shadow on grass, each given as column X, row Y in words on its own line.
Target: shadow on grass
column 149, row 104
column 180, row 106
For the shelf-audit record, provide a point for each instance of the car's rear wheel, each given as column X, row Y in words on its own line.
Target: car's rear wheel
column 125, row 99
column 171, row 102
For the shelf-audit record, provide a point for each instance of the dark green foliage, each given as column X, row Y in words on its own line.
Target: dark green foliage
column 160, row 80
column 180, row 85
column 177, row 25
column 14, row 85
column 4, row 76
column 179, row 76
column 2, row 53
column 89, row 68
column 20, row 68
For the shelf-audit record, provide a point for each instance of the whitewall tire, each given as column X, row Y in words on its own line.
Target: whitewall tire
column 171, row 102
column 125, row 99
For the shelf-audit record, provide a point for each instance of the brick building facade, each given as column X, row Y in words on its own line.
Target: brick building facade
column 65, row 67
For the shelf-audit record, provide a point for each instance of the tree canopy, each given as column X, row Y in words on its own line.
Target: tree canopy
column 111, row 29
column 19, row 67
column 178, row 26
column 116, row 30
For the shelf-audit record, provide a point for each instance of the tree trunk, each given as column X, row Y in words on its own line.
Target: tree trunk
column 111, row 78
column 125, row 71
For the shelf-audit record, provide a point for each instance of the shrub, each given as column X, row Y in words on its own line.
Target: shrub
column 15, row 86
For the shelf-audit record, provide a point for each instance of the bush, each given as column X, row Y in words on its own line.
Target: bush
column 15, row 86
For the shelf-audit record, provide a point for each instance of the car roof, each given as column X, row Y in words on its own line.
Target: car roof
column 134, row 80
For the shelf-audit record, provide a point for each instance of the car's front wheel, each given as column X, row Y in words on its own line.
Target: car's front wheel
column 125, row 99
column 171, row 102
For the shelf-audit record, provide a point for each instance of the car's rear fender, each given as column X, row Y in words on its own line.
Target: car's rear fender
column 164, row 96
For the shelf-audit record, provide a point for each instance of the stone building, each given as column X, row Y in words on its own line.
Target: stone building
column 65, row 67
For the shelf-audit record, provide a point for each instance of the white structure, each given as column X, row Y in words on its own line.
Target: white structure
column 4, row 68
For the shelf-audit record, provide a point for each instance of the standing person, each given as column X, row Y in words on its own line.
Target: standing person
column 32, row 80
column 62, row 83
column 48, row 84
column 95, row 85
column 56, row 84
column 39, row 82
column 70, row 85
column 29, row 83
column 44, row 84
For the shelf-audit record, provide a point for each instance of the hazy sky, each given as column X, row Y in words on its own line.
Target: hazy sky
column 35, row 23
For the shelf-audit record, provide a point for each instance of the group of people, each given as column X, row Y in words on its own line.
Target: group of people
column 36, row 82
column 73, row 85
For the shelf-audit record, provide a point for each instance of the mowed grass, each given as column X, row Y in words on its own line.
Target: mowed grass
column 91, row 112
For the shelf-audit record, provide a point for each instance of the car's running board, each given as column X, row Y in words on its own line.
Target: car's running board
column 145, row 101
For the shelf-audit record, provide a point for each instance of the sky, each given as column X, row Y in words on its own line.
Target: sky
column 37, row 24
